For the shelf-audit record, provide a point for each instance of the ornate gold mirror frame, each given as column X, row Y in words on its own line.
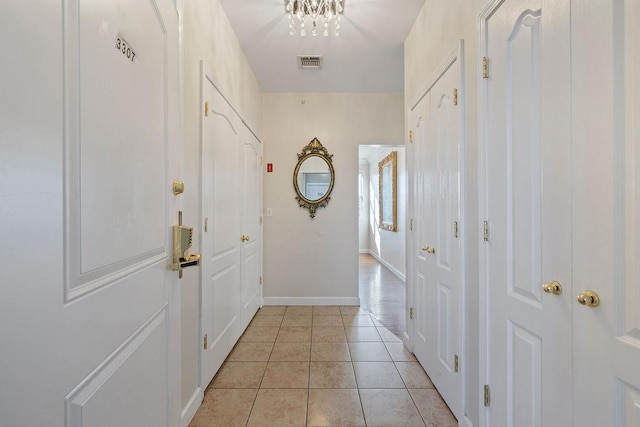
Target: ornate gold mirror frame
column 311, row 150
column 387, row 189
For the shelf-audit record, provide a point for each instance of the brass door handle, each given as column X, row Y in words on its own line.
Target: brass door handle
column 589, row 298
column 244, row 238
column 554, row 288
column 429, row 249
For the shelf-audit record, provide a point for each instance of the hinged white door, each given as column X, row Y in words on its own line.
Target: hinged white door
column 437, row 122
column 251, row 198
column 606, row 212
column 525, row 174
column 223, row 240
column 90, row 145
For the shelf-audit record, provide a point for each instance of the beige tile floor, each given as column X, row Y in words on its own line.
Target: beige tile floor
column 320, row 366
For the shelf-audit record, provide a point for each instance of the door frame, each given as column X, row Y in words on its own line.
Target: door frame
column 455, row 54
column 483, row 259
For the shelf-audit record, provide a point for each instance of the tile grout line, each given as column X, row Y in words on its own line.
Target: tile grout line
column 364, row 416
column 265, row 371
column 306, row 420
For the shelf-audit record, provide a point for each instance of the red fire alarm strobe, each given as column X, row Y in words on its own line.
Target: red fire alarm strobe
column 269, row 167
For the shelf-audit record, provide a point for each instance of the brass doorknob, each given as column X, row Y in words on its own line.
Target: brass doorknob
column 554, row 288
column 244, row 238
column 429, row 249
column 589, row 298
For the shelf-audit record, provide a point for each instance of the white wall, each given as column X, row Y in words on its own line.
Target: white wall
column 438, row 27
column 315, row 261
column 207, row 35
column 388, row 246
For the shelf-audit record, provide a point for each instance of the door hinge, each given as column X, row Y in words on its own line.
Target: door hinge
column 485, row 67
column 206, row 109
column 411, row 313
column 486, row 231
column 411, row 136
column 206, row 225
column 260, row 220
column 206, row 341
column 455, row 229
column 411, row 224
column 456, row 367
column 261, row 280
column 487, row 395
column 260, row 160
column 455, row 96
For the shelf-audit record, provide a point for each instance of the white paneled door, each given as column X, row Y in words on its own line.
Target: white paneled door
column 606, row 213
column 525, row 212
column 251, row 195
column 437, row 123
column 89, row 118
column 221, row 239
column 232, row 231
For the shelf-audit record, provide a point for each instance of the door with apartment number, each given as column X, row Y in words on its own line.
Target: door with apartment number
column 525, row 212
column 89, row 127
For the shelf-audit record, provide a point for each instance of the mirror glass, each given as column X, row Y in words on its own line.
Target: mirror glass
column 314, row 178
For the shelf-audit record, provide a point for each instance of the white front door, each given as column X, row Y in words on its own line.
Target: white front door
column 221, row 238
column 438, row 249
column 525, row 157
column 89, row 118
column 606, row 212
column 251, row 193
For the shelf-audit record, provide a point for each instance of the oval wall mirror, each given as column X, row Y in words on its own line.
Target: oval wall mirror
column 313, row 177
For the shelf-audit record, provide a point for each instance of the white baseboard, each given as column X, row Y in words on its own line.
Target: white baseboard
column 190, row 410
column 311, row 301
column 389, row 266
column 364, row 251
column 466, row 422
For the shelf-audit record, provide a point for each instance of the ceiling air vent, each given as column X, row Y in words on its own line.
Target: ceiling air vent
column 309, row 62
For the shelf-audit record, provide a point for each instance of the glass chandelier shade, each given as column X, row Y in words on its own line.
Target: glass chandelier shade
column 314, row 16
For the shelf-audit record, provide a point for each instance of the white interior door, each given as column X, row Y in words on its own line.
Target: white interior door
column 251, row 194
column 525, row 199
column 437, row 122
column 606, row 212
column 423, row 331
column 221, row 237
column 445, row 269
column 90, row 144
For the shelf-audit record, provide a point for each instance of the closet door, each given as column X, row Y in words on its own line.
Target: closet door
column 525, row 209
column 221, row 236
column 251, row 198
column 606, row 212
column 422, row 283
column 437, row 246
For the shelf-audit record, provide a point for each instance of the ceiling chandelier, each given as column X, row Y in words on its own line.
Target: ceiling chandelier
column 314, row 16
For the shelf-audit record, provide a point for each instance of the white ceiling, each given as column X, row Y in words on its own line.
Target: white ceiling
column 372, row 154
column 366, row 57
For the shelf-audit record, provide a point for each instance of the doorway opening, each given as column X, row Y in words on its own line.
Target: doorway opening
column 382, row 260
